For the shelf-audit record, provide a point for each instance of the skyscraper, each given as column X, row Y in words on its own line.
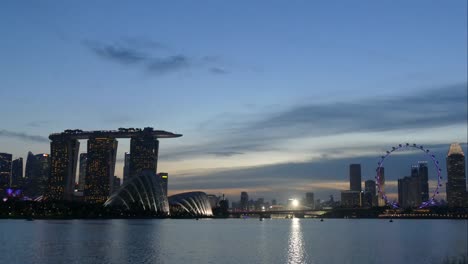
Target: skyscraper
column 116, row 184
column 5, row 172
column 380, row 200
column 17, row 173
column 100, row 166
column 244, row 201
column 355, row 177
column 456, row 178
column 370, row 193
column 309, row 200
column 126, row 168
column 82, row 173
column 424, row 180
column 164, row 178
column 64, row 159
column 37, row 174
column 144, row 154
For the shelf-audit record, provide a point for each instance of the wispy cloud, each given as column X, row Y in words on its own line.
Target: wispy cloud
column 426, row 109
column 23, row 136
column 140, row 53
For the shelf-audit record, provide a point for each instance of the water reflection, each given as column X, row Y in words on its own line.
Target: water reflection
column 296, row 249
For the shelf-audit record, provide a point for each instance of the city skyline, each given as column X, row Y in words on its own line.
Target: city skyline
column 276, row 102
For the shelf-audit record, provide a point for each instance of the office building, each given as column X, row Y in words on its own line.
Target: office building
column 355, row 177
column 5, row 172
column 423, row 174
column 456, row 177
column 381, row 181
column 370, row 194
column 64, row 159
column 351, row 199
column 309, row 200
column 164, row 177
column 82, row 172
column 144, row 154
column 100, row 167
column 126, row 168
column 37, row 174
column 17, row 173
column 244, row 201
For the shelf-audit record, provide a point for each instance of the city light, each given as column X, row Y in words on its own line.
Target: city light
column 294, row 202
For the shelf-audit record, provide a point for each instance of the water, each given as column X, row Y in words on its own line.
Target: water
column 233, row 241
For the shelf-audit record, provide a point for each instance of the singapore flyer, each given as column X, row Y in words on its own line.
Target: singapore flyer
column 380, row 178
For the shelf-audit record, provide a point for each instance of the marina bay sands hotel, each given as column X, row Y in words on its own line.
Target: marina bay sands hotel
column 101, row 158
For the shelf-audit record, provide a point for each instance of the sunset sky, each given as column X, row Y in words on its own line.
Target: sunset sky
column 274, row 97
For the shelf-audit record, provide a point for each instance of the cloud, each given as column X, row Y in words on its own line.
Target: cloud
column 225, row 153
column 431, row 108
column 23, row 136
column 140, row 53
column 168, row 64
column 216, row 70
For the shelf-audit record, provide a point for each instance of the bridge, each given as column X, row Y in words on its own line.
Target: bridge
column 267, row 213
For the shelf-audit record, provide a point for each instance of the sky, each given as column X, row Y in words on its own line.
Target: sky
column 276, row 98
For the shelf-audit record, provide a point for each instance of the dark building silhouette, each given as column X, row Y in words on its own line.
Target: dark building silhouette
column 309, row 200
column 64, row 159
column 82, row 172
column 17, row 173
column 414, row 190
column 5, row 172
column 144, row 154
column 100, row 166
column 355, row 177
column 380, row 200
column 423, row 174
column 244, row 201
column 126, row 168
column 116, row 183
column 456, row 177
column 37, row 174
column 370, row 193
column 164, row 178
column 351, row 199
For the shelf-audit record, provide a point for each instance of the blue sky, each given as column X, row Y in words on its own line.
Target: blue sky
column 249, row 84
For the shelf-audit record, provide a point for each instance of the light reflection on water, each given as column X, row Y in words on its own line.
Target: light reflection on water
column 296, row 249
column 333, row 241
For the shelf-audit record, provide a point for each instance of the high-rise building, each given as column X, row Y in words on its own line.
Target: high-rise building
column 100, row 166
column 370, row 193
column 5, row 172
column 164, row 178
column 423, row 174
column 17, row 173
column 355, row 177
column 244, row 201
column 351, row 199
column 37, row 174
column 456, row 177
column 116, row 183
column 309, row 200
column 126, row 168
column 410, row 188
column 380, row 200
column 82, row 172
column 144, row 154
column 64, row 159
